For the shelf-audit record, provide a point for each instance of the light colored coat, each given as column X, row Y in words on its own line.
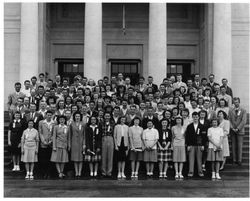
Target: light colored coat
column 118, row 135
column 238, row 121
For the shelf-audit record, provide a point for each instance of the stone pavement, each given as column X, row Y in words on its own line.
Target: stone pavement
column 230, row 186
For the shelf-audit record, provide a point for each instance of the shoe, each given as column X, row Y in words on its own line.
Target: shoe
column 190, row 174
column 221, row 168
column 123, row 176
column 161, row 175
column 218, row 176
column 165, row 176
column 17, row 168
column 181, row 176
column 92, row 174
column 31, row 177
column 201, row 175
column 136, row 175
column 119, row 176
column 213, row 175
column 60, row 175
column 14, row 168
column 63, row 175
column 27, row 175
column 133, row 175
column 95, row 174
column 176, row 176
column 203, row 168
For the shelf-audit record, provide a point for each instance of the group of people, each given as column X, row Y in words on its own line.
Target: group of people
column 170, row 124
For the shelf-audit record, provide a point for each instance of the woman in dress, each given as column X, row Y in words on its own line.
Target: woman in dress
column 225, row 125
column 135, row 139
column 29, row 146
column 179, row 152
column 93, row 146
column 121, row 145
column 60, row 145
column 15, row 132
column 164, row 151
column 150, row 138
column 215, row 155
column 77, row 142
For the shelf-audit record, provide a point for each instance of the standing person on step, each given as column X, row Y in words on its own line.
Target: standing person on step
column 77, row 142
column 93, row 146
column 178, row 144
column 45, row 130
column 29, row 145
column 150, row 138
column 238, row 119
column 107, row 131
column 121, row 145
column 15, row 132
column 164, row 145
column 225, row 125
column 195, row 141
column 60, row 145
column 215, row 155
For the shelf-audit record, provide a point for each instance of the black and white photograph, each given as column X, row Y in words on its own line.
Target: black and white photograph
column 125, row 99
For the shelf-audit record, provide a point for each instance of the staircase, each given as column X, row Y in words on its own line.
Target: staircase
column 245, row 155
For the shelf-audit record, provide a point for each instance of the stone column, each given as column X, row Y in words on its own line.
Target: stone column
column 28, row 41
column 157, row 53
column 93, row 41
column 222, row 42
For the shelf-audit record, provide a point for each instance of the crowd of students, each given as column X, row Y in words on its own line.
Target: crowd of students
column 87, row 122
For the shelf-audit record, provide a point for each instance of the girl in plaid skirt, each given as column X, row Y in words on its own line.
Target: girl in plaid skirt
column 93, row 146
column 164, row 151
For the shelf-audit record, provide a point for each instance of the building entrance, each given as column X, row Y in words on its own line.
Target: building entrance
column 129, row 68
column 185, row 68
column 69, row 68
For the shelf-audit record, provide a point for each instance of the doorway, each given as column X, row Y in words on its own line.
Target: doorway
column 129, row 68
column 185, row 68
column 69, row 68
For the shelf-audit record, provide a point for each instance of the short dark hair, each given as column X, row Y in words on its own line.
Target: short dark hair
column 41, row 74
column 18, row 83
column 74, row 115
column 60, row 117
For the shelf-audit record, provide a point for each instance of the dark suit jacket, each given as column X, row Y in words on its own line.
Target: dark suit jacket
column 212, row 86
column 229, row 91
column 155, row 122
column 155, row 87
column 93, row 140
column 195, row 138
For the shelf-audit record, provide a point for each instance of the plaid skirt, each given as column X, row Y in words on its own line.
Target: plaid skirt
column 93, row 158
column 165, row 156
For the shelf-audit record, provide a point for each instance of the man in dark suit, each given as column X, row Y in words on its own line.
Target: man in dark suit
column 34, row 115
column 211, row 83
column 150, row 83
column 151, row 117
column 229, row 91
column 58, row 82
column 238, row 118
column 195, row 141
column 196, row 83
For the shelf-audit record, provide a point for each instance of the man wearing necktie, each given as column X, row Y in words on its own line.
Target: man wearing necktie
column 238, row 119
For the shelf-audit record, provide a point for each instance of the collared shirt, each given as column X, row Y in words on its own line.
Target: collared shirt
column 195, row 126
column 107, row 129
